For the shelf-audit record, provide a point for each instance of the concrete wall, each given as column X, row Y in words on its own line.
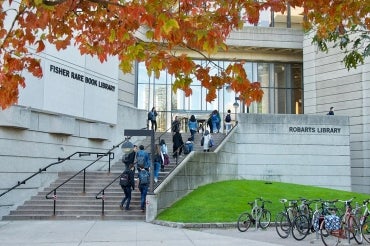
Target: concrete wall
column 328, row 83
column 294, row 149
column 31, row 139
column 285, row 148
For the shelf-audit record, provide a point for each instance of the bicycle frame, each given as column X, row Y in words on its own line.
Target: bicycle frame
column 365, row 230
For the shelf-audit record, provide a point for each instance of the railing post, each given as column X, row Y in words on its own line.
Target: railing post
column 55, row 201
column 84, row 182
column 102, row 203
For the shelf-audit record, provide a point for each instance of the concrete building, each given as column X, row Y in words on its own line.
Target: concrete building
column 82, row 105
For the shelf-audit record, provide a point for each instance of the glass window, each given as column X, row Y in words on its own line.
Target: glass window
column 280, row 75
column 280, row 101
column 195, row 99
column 281, row 84
column 160, row 95
column 143, row 96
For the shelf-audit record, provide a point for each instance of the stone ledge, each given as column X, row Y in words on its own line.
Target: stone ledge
column 194, row 225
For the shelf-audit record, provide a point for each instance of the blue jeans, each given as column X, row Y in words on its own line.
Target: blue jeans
column 192, row 132
column 127, row 190
column 157, row 166
column 143, row 190
column 214, row 126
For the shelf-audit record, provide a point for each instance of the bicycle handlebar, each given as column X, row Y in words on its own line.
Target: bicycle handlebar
column 347, row 201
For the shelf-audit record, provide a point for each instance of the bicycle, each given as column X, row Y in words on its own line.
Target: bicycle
column 333, row 227
column 291, row 220
column 364, row 223
column 258, row 213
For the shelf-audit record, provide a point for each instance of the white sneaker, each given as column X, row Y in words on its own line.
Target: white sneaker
column 155, row 180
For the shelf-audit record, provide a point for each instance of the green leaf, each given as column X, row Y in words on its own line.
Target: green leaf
column 149, row 34
column 170, row 25
column 112, row 36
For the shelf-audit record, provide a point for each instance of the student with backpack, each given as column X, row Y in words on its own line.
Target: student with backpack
column 130, row 158
column 142, row 158
column 228, row 121
column 188, row 147
column 127, row 182
column 144, row 180
column 166, row 158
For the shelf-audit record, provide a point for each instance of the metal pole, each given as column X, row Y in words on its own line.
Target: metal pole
column 152, row 162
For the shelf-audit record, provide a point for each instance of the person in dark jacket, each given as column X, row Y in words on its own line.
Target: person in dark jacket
column 331, row 111
column 127, row 188
column 153, row 118
column 177, row 144
column 209, row 123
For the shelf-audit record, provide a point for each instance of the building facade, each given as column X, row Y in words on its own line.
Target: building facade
column 82, row 105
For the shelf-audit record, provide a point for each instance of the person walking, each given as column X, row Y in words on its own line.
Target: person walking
column 215, row 121
column 127, row 183
column 144, row 177
column 177, row 144
column 188, row 147
column 164, row 150
column 193, row 126
column 228, row 121
column 209, row 124
column 143, row 158
column 175, row 127
column 158, row 162
column 206, row 139
column 152, row 117
column 331, row 111
column 130, row 158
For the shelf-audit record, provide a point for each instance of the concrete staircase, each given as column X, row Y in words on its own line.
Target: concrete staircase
column 72, row 203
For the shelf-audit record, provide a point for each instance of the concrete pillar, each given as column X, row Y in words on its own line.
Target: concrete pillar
column 151, row 207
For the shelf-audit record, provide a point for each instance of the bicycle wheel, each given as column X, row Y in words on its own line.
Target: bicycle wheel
column 265, row 219
column 354, row 229
column 365, row 230
column 301, row 227
column 327, row 236
column 282, row 225
column 244, row 222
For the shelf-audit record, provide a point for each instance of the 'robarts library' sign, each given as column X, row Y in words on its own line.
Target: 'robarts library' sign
column 308, row 129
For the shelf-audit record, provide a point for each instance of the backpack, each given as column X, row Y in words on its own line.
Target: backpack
column 124, row 178
column 143, row 177
column 140, row 159
column 150, row 115
column 126, row 159
column 228, row 118
column 186, row 149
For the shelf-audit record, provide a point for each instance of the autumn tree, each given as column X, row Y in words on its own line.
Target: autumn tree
column 159, row 33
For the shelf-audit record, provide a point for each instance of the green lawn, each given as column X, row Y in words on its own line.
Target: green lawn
column 224, row 201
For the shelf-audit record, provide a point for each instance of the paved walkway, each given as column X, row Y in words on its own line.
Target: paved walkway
column 114, row 233
column 107, row 233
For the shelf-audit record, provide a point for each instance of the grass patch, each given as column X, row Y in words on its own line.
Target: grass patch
column 225, row 201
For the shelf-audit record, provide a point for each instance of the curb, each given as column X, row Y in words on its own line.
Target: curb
column 194, row 225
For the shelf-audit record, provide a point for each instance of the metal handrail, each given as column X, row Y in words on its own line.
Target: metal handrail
column 60, row 160
column 102, row 191
column 54, row 191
